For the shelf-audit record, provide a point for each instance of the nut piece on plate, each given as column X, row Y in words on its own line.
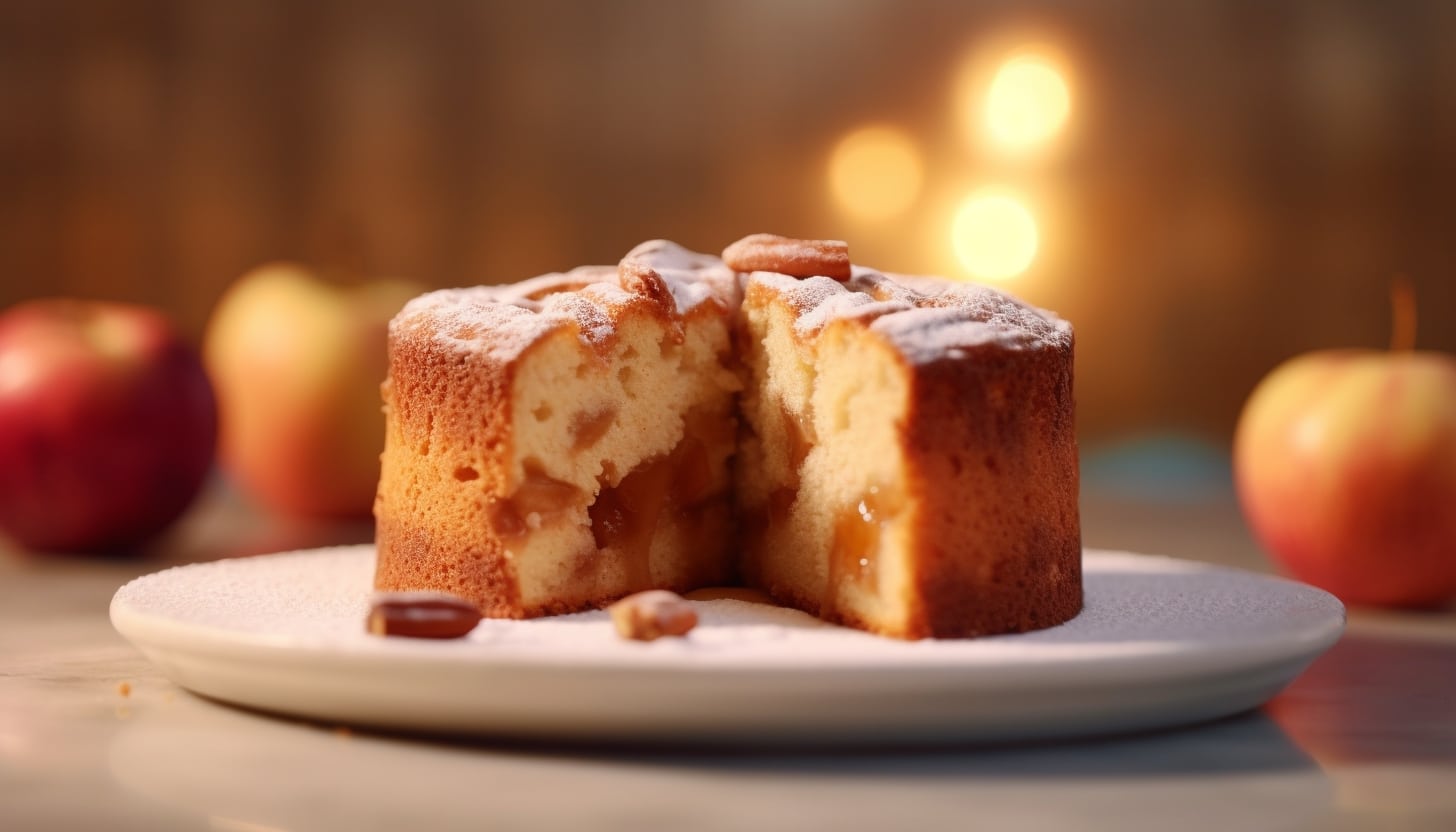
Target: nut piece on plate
column 421, row 615
column 785, row 255
column 651, row 615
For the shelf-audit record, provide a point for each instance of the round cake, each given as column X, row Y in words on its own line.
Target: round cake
column 892, row 453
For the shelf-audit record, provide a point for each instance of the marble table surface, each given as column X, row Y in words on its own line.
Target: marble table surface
column 91, row 736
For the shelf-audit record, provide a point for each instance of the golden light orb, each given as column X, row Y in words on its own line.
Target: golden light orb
column 1028, row 102
column 994, row 235
column 875, row 173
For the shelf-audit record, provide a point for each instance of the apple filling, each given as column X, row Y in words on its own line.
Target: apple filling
column 797, row 432
column 857, row 532
column 538, row 501
column 625, row 517
column 588, row 427
column 857, row 526
column 680, row 485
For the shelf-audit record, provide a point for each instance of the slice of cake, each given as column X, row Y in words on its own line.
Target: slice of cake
column 554, row 445
column 905, row 463
column 910, row 466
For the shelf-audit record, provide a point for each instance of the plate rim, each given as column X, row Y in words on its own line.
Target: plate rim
column 642, row 695
column 159, row 631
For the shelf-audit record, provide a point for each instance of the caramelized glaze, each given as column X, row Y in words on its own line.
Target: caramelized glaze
column 855, row 553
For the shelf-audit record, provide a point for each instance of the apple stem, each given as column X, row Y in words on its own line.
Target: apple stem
column 1403, row 315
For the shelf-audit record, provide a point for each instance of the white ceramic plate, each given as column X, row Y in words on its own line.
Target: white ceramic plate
column 1160, row 642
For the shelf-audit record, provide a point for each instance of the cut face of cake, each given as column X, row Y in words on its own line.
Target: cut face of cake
column 892, row 453
column 557, row 444
column 910, row 467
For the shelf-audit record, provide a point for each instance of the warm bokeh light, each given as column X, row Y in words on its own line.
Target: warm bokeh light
column 875, row 173
column 994, row 235
column 1028, row 102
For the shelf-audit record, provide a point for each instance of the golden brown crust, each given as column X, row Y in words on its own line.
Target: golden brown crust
column 991, row 461
column 446, row 419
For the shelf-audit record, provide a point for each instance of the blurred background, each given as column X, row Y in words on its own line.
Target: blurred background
column 1204, row 188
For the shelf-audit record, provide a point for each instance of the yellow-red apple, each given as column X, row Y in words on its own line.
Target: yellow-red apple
column 107, row 424
column 297, row 362
column 1345, row 463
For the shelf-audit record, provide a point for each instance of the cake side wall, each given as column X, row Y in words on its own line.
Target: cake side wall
column 447, row 445
column 991, row 453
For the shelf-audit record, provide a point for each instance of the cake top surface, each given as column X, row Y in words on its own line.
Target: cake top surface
column 500, row 322
column 925, row 318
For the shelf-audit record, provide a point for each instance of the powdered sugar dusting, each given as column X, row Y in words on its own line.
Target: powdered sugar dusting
column 500, row 322
column 927, row 318
column 816, row 299
column 849, row 306
column 665, row 255
column 473, row 320
column 693, row 278
column 590, row 309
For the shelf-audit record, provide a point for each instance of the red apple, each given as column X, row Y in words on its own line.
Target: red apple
column 107, row 424
column 297, row 362
column 1345, row 463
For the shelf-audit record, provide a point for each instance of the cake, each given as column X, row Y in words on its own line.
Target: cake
column 556, row 444
column 892, row 453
